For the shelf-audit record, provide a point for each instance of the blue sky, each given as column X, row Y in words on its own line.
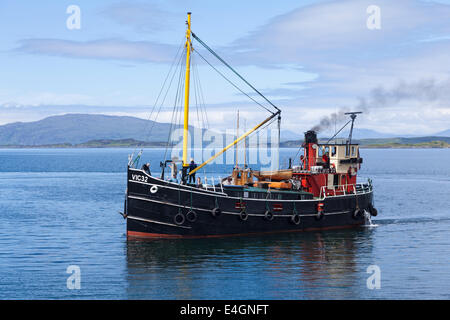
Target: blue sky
column 312, row 58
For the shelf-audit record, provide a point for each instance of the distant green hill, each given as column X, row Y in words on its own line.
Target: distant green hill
column 80, row 128
column 97, row 131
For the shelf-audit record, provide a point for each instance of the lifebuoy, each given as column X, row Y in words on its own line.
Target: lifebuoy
column 268, row 215
column 296, row 219
column 191, row 216
column 153, row 189
column 179, row 218
column 216, row 212
column 243, row 215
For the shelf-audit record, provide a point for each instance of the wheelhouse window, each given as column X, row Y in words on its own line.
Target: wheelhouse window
column 333, row 151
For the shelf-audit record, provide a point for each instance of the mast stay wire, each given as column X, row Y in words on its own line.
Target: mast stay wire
column 159, row 94
column 200, row 122
column 176, row 108
column 203, row 111
column 229, row 81
column 234, row 71
column 162, row 102
column 267, row 124
column 201, row 97
column 197, row 87
column 278, row 111
column 234, row 85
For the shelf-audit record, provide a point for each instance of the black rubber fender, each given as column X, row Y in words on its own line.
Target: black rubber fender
column 243, row 215
column 295, row 219
column 191, row 216
column 216, row 212
column 179, row 218
column 268, row 215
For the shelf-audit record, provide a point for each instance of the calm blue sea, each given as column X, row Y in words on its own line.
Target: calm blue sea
column 59, row 207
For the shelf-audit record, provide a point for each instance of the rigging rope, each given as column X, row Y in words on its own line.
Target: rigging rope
column 198, row 93
column 178, row 98
column 229, row 81
column 202, row 98
column 234, row 71
column 159, row 94
column 200, row 123
column 162, row 102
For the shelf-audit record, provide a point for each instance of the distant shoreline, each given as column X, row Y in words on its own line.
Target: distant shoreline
column 423, row 145
column 426, row 145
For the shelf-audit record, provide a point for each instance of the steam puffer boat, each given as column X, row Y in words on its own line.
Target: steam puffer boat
column 320, row 193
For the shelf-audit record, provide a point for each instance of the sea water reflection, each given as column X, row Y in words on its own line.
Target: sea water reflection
column 285, row 266
column 59, row 208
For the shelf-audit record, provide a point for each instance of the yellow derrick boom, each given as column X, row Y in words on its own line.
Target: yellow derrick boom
column 235, row 141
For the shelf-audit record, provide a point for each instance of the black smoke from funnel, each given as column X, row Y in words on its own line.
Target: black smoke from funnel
column 425, row 90
column 328, row 121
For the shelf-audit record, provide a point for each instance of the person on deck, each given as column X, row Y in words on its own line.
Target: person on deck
column 174, row 173
column 192, row 166
column 326, row 161
column 146, row 168
column 199, row 183
column 227, row 181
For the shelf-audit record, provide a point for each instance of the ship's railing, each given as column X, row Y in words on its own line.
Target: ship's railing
column 211, row 185
column 345, row 189
column 314, row 169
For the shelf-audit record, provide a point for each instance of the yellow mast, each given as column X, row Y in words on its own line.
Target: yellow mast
column 186, row 90
column 186, row 107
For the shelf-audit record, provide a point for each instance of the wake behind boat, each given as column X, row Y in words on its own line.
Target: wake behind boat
column 320, row 193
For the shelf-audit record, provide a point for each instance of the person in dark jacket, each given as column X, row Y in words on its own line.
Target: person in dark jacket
column 146, row 168
column 192, row 166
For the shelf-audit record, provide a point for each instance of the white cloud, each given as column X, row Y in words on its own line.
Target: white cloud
column 334, row 28
column 115, row 49
column 45, row 98
column 329, row 39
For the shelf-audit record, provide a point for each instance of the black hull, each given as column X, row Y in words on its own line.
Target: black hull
column 160, row 209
